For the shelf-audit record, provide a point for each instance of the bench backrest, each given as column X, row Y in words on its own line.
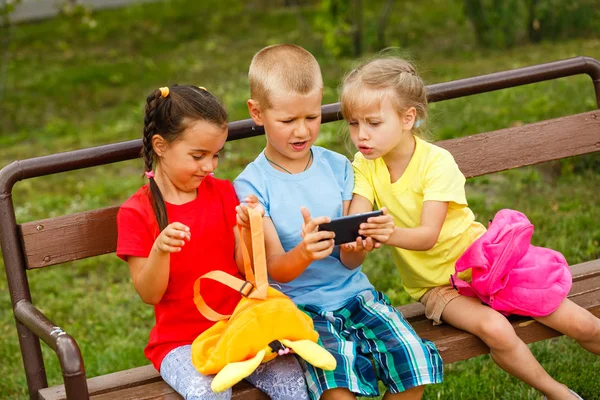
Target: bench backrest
column 72, row 237
column 91, row 233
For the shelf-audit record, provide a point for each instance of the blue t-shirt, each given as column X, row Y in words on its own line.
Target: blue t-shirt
column 326, row 283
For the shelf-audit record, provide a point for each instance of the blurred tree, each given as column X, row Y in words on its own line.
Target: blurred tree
column 505, row 23
column 349, row 27
column 496, row 22
column 558, row 19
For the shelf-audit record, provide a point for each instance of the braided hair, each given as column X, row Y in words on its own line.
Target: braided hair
column 168, row 112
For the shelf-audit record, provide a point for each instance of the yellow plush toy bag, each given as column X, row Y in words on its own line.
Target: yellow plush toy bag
column 265, row 324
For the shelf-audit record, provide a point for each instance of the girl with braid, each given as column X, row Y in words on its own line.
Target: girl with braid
column 181, row 225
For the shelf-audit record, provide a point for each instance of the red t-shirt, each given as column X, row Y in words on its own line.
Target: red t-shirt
column 211, row 218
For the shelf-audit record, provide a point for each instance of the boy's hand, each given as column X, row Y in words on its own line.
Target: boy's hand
column 361, row 244
column 379, row 228
column 172, row 238
column 316, row 245
column 243, row 218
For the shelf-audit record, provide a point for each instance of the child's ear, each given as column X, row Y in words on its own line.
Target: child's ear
column 159, row 145
column 255, row 112
column 409, row 118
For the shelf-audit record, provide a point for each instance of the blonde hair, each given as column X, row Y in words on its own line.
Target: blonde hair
column 283, row 68
column 371, row 82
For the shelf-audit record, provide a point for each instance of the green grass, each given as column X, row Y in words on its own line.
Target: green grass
column 71, row 86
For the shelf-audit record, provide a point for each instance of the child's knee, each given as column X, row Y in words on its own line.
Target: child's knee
column 498, row 333
column 585, row 330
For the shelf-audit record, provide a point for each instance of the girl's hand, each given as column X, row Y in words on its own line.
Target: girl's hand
column 361, row 244
column 378, row 228
column 316, row 245
column 172, row 238
column 243, row 218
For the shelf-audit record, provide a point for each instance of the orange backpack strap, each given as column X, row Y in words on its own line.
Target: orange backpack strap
column 244, row 287
column 258, row 254
column 256, row 284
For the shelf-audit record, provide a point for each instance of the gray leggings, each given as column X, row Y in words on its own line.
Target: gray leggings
column 281, row 378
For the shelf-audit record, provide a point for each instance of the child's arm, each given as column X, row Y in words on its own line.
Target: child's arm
column 150, row 275
column 286, row 266
column 420, row 238
column 315, row 245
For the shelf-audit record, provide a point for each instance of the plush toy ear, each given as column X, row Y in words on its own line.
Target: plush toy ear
column 234, row 372
column 312, row 353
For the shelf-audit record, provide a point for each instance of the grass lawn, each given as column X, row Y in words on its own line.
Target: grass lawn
column 70, row 85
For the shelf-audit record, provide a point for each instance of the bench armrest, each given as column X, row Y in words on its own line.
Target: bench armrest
column 65, row 347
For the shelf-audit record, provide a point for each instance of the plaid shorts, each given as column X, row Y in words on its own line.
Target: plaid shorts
column 370, row 341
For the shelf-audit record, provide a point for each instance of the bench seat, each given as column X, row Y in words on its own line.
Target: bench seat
column 144, row 383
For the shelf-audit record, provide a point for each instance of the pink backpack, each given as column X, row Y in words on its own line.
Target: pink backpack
column 511, row 275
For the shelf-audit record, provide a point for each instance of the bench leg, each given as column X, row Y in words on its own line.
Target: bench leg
column 31, row 352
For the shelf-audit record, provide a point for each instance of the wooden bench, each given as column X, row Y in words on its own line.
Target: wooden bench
column 48, row 242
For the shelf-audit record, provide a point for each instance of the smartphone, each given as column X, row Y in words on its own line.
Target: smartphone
column 346, row 227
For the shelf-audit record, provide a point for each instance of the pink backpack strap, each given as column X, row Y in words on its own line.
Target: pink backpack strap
column 463, row 287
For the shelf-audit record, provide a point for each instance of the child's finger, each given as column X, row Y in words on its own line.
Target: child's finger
column 318, row 236
column 251, row 199
column 176, row 233
column 170, row 249
column 305, row 214
column 320, row 245
column 179, row 226
column 242, row 212
column 324, row 253
column 369, row 244
column 175, row 242
column 364, row 243
column 359, row 243
column 320, row 250
column 375, row 222
column 312, row 225
column 348, row 246
column 242, row 223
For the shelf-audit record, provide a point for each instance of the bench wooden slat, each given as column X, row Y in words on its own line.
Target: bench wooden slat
column 151, row 391
column 71, row 237
column 102, row 384
column 139, row 383
column 526, row 145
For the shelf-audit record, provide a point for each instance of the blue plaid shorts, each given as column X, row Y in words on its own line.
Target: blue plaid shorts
column 371, row 341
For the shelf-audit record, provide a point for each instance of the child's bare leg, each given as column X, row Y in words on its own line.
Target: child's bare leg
column 577, row 323
column 506, row 348
column 338, row 393
column 415, row 393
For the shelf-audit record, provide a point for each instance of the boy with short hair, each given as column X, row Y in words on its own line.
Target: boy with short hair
column 293, row 180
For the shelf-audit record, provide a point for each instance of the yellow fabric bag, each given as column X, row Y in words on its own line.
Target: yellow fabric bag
column 265, row 323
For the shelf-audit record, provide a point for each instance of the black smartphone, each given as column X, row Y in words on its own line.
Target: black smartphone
column 346, row 227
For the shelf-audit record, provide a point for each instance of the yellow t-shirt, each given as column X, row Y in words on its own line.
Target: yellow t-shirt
column 432, row 174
